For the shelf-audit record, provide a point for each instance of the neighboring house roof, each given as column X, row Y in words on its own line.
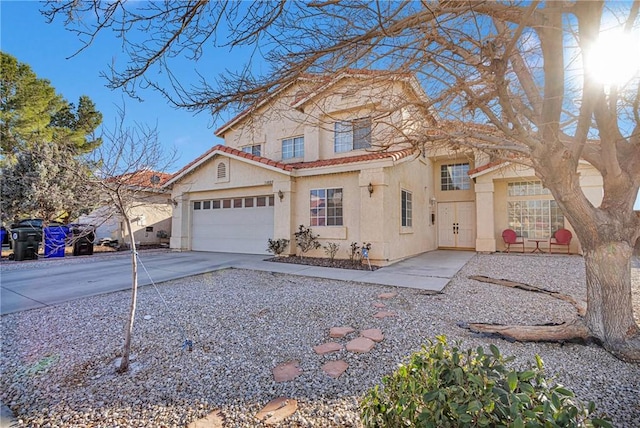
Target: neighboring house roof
column 322, row 84
column 144, row 178
column 287, row 168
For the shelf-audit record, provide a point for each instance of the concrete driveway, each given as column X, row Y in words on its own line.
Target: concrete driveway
column 48, row 282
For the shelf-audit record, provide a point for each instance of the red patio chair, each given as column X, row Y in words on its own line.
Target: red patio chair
column 510, row 238
column 561, row 238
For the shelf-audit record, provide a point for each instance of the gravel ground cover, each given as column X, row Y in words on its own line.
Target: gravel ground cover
column 57, row 363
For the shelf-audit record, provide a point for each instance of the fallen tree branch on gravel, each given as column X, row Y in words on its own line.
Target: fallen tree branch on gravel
column 581, row 306
column 574, row 331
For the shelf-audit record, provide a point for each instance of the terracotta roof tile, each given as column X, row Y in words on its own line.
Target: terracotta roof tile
column 486, row 166
column 395, row 155
column 143, row 178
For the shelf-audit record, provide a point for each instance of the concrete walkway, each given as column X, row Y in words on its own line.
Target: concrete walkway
column 49, row 282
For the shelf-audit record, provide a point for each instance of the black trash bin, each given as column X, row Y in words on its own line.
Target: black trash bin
column 26, row 242
column 82, row 237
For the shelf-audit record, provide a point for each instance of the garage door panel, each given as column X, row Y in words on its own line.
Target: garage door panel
column 234, row 230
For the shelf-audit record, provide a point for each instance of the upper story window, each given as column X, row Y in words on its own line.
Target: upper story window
column 352, row 135
column 293, row 148
column 254, row 149
column 407, row 209
column 326, row 207
column 455, row 177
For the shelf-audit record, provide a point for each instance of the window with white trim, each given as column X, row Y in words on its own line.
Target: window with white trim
column 454, row 177
column 254, row 149
column 352, row 135
column 531, row 210
column 407, row 209
column 293, row 148
column 326, row 207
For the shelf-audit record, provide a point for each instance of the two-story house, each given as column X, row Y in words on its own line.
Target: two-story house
column 343, row 155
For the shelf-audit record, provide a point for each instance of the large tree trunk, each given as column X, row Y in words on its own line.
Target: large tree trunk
column 609, row 314
column 126, row 352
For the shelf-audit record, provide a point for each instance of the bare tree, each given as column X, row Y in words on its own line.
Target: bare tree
column 126, row 177
column 509, row 78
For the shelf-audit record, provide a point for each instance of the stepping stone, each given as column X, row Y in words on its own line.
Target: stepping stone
column 335, row 368
column 379, row 305
column 360, row 345
column 327, row 348
column 384, row 314
column 277, row 410
column 387, row 295
column 374, row 334
column 340, row 331
column 287, row 371
column 212, row 420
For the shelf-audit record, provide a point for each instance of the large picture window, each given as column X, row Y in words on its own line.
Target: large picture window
column 454, row 177
column 352, row 135
column 531, row 211
column 293, row 148
column 326, row 207
column 407, row 209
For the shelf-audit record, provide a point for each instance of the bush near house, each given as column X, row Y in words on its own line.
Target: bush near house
column 444, row 386
column 306, row 240
column 277, row 246
column 331, row 249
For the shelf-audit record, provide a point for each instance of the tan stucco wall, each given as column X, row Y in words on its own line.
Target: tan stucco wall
column 315, row 120
column 151, row 211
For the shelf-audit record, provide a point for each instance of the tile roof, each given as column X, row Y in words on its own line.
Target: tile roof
column 143, row 178
column 486, row 167
column 394, row 156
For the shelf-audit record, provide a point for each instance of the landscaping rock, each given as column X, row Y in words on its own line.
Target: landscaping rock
column 327, row 348
column 212, row 420
column 277, row 410
column 384, row 314
column 387, row 295
column 287, row 371
column 360, row 345
column 374, row 334
column 335, row 368
column 340, row 331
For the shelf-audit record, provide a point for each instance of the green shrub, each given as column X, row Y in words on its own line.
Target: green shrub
column 443, row 386
column 277, row 246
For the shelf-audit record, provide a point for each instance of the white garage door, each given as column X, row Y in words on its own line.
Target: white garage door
column 239, row 225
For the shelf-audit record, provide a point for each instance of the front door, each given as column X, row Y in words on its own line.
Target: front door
column 456, row 225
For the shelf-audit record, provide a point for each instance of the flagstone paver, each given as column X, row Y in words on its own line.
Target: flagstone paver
column 287, row 371
column 277, row 410
column 374, row 334
column 212, row 420
column 335, row 368
column 340, row 331
column 384, row 314
column 387, row 295
column 360, row 345
column 327, row 348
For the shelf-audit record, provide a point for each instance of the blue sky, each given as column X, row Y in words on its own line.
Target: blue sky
column 44, row 47
column 25, row 34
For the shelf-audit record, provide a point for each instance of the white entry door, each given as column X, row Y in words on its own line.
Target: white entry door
column 456, row 224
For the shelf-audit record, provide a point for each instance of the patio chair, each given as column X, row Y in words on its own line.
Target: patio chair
column 561, row 238
column 510, row 238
